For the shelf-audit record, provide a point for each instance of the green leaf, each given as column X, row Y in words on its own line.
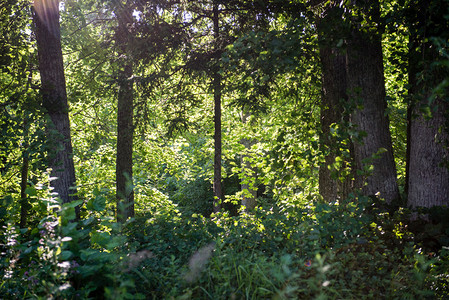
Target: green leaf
column 100, row 238
column 115, row 242
column 65, row 255
column 31, row 191
column 72, row 204
column 69, row 214
column 97, row 204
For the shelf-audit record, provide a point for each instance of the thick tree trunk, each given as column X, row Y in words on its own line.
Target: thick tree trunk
column 333, row 64
column 54, row 96
column 366, row 88
column 428, row 174
column 216, row 85
column 125, row 127
column 334, row 97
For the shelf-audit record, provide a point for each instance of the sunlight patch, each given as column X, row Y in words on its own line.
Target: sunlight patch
column 46, row 11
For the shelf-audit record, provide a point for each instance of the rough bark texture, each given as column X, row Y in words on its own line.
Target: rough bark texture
column 333, row 91
column 125, row 127
column 428, row 174
column 54, row 96
column 216, row 85
column 366, row 87
column 333, row 70
column 248, row 184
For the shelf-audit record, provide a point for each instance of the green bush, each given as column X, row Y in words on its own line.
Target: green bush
column 323, row 251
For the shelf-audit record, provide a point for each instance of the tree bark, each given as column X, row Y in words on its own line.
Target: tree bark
column 366, row 88
column 428, row 174
column 54, row 97
column 216, row 85
column 333, row 99
column 333, row 94
column 125, row 127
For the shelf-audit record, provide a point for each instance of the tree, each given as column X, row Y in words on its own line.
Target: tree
column 125, row 127
column 217, row 90
column 428, row 173
column 226, row 19
column 54, row 97
column 353, row 80
column 331, row 30
column 366, row 89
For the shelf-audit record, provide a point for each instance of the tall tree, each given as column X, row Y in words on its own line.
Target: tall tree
column 217, row 89
column 331, row 30
column 428, row 161
column 231, row 20
column 366, row 87
column 54, row 96
column 125, row 127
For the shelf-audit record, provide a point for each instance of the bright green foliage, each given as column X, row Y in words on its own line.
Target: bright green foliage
column 324, row 251
column 396, row 79
column 21, row 119
column 292, row 246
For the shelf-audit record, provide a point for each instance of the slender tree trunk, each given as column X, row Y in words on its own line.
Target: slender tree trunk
column 248, row 183
column 413, row 61
column 24, row 204
column 216, row 85
column 54, row 96
column 23, row 186
column 334, row 97
column 407, row 151
column 367, row 88
column 125, row 127
column 428, row 174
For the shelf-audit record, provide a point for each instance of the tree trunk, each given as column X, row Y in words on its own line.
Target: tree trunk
column 24, row 204
column 23, row 185
column 366, row 88
column 216, row 85
column 125, row 127
column 54, row 96
column 334, row 97
column 428, row 174
column 332, row 183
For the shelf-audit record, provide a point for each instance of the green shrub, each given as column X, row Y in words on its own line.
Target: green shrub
column 323, row 251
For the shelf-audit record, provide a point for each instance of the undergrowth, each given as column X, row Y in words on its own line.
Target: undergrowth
column 323, row 251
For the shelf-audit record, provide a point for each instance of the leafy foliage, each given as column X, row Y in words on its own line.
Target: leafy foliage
column 324, row 251
column 292, row 246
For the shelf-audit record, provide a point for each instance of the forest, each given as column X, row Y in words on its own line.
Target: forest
column 224, row 149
